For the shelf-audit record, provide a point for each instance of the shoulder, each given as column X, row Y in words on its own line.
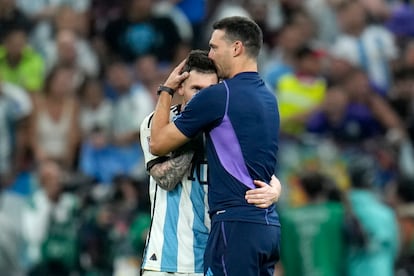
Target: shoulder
column 377, row 30
column 146, row 123
column 209, row 96
column 213, row 90
column 174, row 111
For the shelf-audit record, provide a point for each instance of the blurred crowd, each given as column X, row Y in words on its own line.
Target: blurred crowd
column 77, row 77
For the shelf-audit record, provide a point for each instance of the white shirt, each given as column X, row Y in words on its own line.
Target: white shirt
column 99, row 117
column 130, row 110
column 372, row 50
column 180, row 221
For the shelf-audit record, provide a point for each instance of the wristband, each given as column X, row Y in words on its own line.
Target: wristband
column 167, row 89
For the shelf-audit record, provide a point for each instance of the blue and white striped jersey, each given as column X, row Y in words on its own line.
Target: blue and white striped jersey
column 180, row 223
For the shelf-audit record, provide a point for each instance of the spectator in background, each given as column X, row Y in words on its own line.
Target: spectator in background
column 10, row 16
column 337, row 68
column 259, row 11
column 69, row 50
column 372, row 47
column 313, row 237
column 354, row 113
column 149, row 74
column 401, row 97
column 400, row 20
column 195, row 11
column 19, row 63
column 281, row 57
column 131, row 221
column 166, row 8
column 113, row 237
column 50, row 222
column 138, row 32
column 55, row 120
column 405, row 212
column 15, row 108
column 219, row 9
column 65, row 18
column 11, row 242
column 45, row 10
column 95, row 109
column 324, row 14
column 122, row 153
column 132, row 104
column 378, row 221
column 301, row 92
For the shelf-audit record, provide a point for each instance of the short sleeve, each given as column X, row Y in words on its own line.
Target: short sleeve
column 145, row 134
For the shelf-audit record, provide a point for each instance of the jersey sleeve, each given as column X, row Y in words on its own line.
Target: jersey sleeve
column 145, row 136
column 203, row 112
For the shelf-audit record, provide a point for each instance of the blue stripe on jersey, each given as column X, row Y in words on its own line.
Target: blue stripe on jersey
column 170, row 230
column 199, row 229
column 363, row 58
column 384, row 65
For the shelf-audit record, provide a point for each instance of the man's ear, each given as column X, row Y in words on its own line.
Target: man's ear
column 237, row 48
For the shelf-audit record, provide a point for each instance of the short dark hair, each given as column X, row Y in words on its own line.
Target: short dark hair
column 313, row 183
column 199, row 61
column 243, row 29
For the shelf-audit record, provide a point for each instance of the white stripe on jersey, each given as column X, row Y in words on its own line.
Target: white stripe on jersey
column 180, row 221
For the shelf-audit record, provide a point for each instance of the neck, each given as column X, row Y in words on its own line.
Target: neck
column 356, row 30
column 247, row 65
column 55, row 99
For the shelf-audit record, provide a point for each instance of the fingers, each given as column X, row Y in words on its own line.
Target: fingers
column 259, row 201
column 259, row 183
column 176, row 77
column 180, row 66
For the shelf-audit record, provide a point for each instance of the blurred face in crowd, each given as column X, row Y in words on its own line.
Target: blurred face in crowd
column 67, row 19
column 352, row 17
column 66, row 47
column 129, row 192
column 147, row 68
column 92, row 93
column 119, row 77
column 139, row 9
column 290, row 38
column 50, row 179
column 406, row 224
column 409, row 55
column 338, row 67
column 310, row 64
column 305, row 24
column 257, row 9
column 357, row 85
column 62, row 83
column 7, row 5
column 15, row 43
column 335, row 104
